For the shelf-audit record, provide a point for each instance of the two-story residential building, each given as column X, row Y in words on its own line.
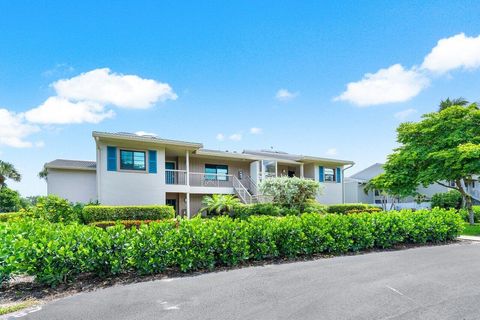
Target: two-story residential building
column 355, row 189
column 140, row 170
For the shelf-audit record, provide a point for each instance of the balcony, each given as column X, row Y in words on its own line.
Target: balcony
column 198, row 179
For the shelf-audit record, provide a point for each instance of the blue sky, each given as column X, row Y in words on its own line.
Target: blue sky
column 211, row 71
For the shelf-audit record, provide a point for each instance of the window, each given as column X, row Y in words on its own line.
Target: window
column 132, row 160
column 216, row 172
column 329, row 174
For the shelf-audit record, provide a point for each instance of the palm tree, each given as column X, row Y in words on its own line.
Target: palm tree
column 220, row 203
column 8, row 171
column 444, row 104
column 43, row 174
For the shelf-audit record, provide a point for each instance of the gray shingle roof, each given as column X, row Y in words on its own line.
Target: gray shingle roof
column 71, row 164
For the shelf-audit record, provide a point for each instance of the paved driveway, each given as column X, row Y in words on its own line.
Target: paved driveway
column 441, row 282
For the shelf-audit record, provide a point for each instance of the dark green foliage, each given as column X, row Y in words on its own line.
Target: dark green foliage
column 126, row 223
column 352, row 208
column 447, row 200
column 113, row 213
column 9, row 200
column 56, row 253
column 272, row 209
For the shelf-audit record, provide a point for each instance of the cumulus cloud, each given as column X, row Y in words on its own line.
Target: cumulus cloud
column 331, row 152
column 458, row 51
column 256, row 130
column 57, row 110
column 14, row 130
column 404, row 114
column 220, row 137
column 235, row 137
column 393, row 84
column 106, row 87
column 284, row 95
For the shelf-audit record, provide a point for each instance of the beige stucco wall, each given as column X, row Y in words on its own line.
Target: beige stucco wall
column 73, row 185
column 130, row 188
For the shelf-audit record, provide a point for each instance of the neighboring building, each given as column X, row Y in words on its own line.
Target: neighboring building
column 355, row 189
column 141, row 170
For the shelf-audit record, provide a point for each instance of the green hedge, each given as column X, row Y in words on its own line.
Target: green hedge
column 476, row 214
column 103, row 213
column 351, row 208
column 8, row 216
column 55, row 253
column 126, row 223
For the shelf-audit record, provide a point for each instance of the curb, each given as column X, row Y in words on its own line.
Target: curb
column 469, row 238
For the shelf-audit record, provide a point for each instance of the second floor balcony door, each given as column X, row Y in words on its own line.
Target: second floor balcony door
column 169, row 175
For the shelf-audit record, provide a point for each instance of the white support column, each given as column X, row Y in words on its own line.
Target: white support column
column 187, row 166
column 187, row 198
column 301, row 171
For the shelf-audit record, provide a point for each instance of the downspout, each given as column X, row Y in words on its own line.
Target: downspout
column 343, row 181
column 97, row 168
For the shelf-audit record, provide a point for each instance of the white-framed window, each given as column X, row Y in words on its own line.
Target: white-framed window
column 329, row 175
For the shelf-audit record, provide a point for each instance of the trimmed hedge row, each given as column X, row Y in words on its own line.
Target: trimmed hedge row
column 56, row 253
column 126, row 223
column 347, row 208
column 8, row 216
column 113, row 213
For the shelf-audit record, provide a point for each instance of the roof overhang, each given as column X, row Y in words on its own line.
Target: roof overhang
column 116, row 137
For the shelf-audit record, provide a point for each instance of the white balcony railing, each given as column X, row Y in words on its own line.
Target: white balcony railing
column 198, row 179
column 177, row 177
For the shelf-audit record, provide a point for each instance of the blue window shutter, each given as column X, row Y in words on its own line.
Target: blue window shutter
column 339, row 175
column 320, row 174
column 152, row 161
column 111, row 158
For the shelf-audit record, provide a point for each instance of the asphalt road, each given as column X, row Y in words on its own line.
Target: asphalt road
column 441, row 282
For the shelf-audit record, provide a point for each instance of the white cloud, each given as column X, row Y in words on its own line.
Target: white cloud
column 40, row 144
column 235, row 137
column 220, row 137
column 144, row 133
column 393, row 84
column 14, row 130
column 57, row 110
column 256, row 130
column 331, row 152
column 404, row 114
column 106, row 87
column 284, row 95
column 458, row 51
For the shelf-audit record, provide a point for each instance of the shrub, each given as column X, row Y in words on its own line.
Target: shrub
column 113, row 213
column 290, row 192
column 219, row 204
column 447, row 200
column 125, row 223
column 476, row 214
column 9, row 200
column 8, row 216
column 257, row 209
column 56, row 253
column 352, row 208
column 55, row 209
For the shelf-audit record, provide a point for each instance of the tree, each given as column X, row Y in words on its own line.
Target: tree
column 292, row 193
column 9, row 200
column 447, row 103
column 43, row 174
column 388, row 188
column 443, row 148
column 220, row 204
column 8, row 171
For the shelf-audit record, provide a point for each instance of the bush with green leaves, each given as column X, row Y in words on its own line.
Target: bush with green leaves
column 447, row 200
column 55, row 209
column 57, row 252
column 347, row 208
column 9, row 216
column 218, row 204
column 93, row 213
column 289, row 192
column 9, row 200
column 476, row 214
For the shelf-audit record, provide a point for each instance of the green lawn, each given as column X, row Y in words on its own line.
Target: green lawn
column 16, row 307
column 471, row 230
